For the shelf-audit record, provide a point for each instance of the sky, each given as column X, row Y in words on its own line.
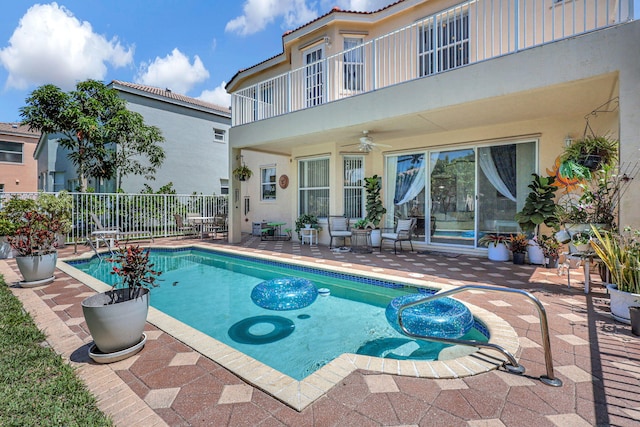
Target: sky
column 191, row 47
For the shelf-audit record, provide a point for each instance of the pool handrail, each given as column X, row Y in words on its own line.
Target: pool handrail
column 512, row 365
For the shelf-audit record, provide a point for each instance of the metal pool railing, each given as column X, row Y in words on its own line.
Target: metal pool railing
column 512, row 365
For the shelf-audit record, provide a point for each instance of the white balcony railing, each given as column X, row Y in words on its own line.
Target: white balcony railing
column 470, row 32
column 152, row 213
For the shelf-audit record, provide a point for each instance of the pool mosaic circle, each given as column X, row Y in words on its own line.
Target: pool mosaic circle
column 443, row 318
column 284, row 293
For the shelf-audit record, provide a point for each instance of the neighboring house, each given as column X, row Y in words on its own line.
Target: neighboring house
column 196, row 145
column 18, row 172
column 461, row 102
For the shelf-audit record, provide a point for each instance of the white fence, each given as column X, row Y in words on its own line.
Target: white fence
column 149, row 213
column 469, row 32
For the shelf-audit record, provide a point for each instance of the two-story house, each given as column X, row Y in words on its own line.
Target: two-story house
column 453, row 103
column 195, row 145
column 17, row 165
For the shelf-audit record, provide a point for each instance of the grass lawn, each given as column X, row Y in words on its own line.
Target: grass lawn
column 37, row 388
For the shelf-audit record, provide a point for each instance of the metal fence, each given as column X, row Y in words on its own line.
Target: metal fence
column 149, row 213
column 466, row 33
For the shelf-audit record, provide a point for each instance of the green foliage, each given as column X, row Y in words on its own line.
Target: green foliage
column 12, row 212
column 37, row 386
column 307, row 219
column 375, row 210
column 539, row 206
column 242, row 172
column 165, row 189
column 550, row 246
column 361, row 224
column 493, row 238
column 575, row 157
column 620, row 252
column 518, row 243
column 57, row 206
column 103, row 138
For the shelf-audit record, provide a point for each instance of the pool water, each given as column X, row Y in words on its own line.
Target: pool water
column 213, row 295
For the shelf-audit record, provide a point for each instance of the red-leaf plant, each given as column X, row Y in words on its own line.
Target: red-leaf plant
column 136, row 271
column 36, row 234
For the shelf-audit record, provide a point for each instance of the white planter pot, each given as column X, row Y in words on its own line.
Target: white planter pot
column 375, row 238
column 115, row 327
column 37, row 268
column 620, row 302
column 536, row 256
column 498, row 252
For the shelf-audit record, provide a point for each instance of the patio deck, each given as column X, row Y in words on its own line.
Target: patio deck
column 169, row 383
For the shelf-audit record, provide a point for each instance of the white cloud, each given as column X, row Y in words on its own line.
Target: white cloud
column 174, row 71
column 257, row 14
column 50, row 45
column 218, row 96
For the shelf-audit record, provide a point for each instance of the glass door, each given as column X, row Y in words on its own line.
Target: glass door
column 453, row 197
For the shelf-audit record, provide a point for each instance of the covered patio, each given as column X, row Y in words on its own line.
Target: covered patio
column 169, row 383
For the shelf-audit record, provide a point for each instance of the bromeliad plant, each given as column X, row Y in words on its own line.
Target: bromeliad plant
column 494, row 239
column 136, row 271
column 35, row 234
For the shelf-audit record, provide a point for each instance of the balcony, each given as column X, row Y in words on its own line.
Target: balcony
column 467, row 33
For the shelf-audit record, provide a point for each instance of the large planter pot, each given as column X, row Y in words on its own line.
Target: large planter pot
column 6, row 251
column 551, row 262
column 498, row 252
column 620, row 302
column 536, row 256
column 37, row 268
column 518, row 258
column 375, row 238
column 115, row 327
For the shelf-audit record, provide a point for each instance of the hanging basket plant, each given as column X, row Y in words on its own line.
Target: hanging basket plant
column 587, row 155
column 242, row 173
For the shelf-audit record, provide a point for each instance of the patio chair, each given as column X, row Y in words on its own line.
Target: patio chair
column 403, row 232
column 114, row 233
column 184, row 229
column 338, row 226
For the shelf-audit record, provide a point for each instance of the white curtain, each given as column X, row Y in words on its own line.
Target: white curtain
column 489, row 168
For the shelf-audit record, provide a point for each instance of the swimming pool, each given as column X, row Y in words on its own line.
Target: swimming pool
column 300, row 393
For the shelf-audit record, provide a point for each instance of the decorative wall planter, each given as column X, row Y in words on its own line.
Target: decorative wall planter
column 498, row 252
column 37, row 270
column 620, row 302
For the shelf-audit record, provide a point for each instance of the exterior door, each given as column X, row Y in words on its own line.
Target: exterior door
column 314, row 76
column 453, row 190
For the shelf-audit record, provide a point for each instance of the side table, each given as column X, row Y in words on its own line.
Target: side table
column 309, row 235
column 361, row 241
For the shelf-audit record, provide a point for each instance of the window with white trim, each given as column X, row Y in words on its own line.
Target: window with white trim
column 218, row 135
column 353, row 67
column 313, row 187
column 353, row 194
column 446, row 46
column 314, row 76
column 11, row 152
column 268, row 183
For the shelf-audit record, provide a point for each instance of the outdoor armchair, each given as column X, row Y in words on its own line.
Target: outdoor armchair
column 338, row 226
column 403, row 232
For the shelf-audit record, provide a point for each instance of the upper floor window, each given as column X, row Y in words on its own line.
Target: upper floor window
column 313, row 190
column 268, row 183
column 11, row 152
column 218, row 135
column 353, row 196
column 445, row 45
column 353, row 64
column 314, row 76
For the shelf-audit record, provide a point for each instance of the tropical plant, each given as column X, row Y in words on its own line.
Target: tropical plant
column 487, row 239
column 581, row 238
column 361, row 224
column 620, row 252
column 36, row 234
column 242, row 172
column 587, row 155
column 58, row 206
column 550, row 246
column 136, row 271
column 307, row 219
column 12, row 212
column 539, row 206
column 103, row 138
column 375, row 210
column 518, row 243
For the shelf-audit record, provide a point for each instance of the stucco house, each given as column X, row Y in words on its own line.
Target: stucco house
column 17, row 166
column 196, row 145
column 454, row 104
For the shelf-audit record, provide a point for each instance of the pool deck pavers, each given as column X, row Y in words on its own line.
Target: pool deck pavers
column 170, row 383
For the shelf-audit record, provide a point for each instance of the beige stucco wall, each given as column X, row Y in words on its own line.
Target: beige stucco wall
column 20, row 177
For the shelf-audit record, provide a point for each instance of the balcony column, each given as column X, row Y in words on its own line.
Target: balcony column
column 235, row 216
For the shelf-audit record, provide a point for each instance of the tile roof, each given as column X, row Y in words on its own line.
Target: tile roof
column 167, row 93
column 17, row 129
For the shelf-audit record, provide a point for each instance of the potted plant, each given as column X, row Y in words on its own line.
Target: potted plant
column 620, row 252
column 116, row 318
column 586, row 155
column 496, row 245
column 10, row 219
column 375, row 209
column 242, row 173
column 34, row 241
column 551, row 249
column 361, row 224
column 305, row 220
column 518, row 245
column 58, row 206
column 539, row 208
column 580, row 242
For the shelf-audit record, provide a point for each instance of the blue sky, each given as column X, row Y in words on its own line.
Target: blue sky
column 192, row 47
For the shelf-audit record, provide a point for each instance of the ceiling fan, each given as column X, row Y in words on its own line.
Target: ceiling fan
column 366, row 144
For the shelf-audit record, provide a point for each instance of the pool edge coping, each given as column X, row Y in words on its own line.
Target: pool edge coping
column 300, row 394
